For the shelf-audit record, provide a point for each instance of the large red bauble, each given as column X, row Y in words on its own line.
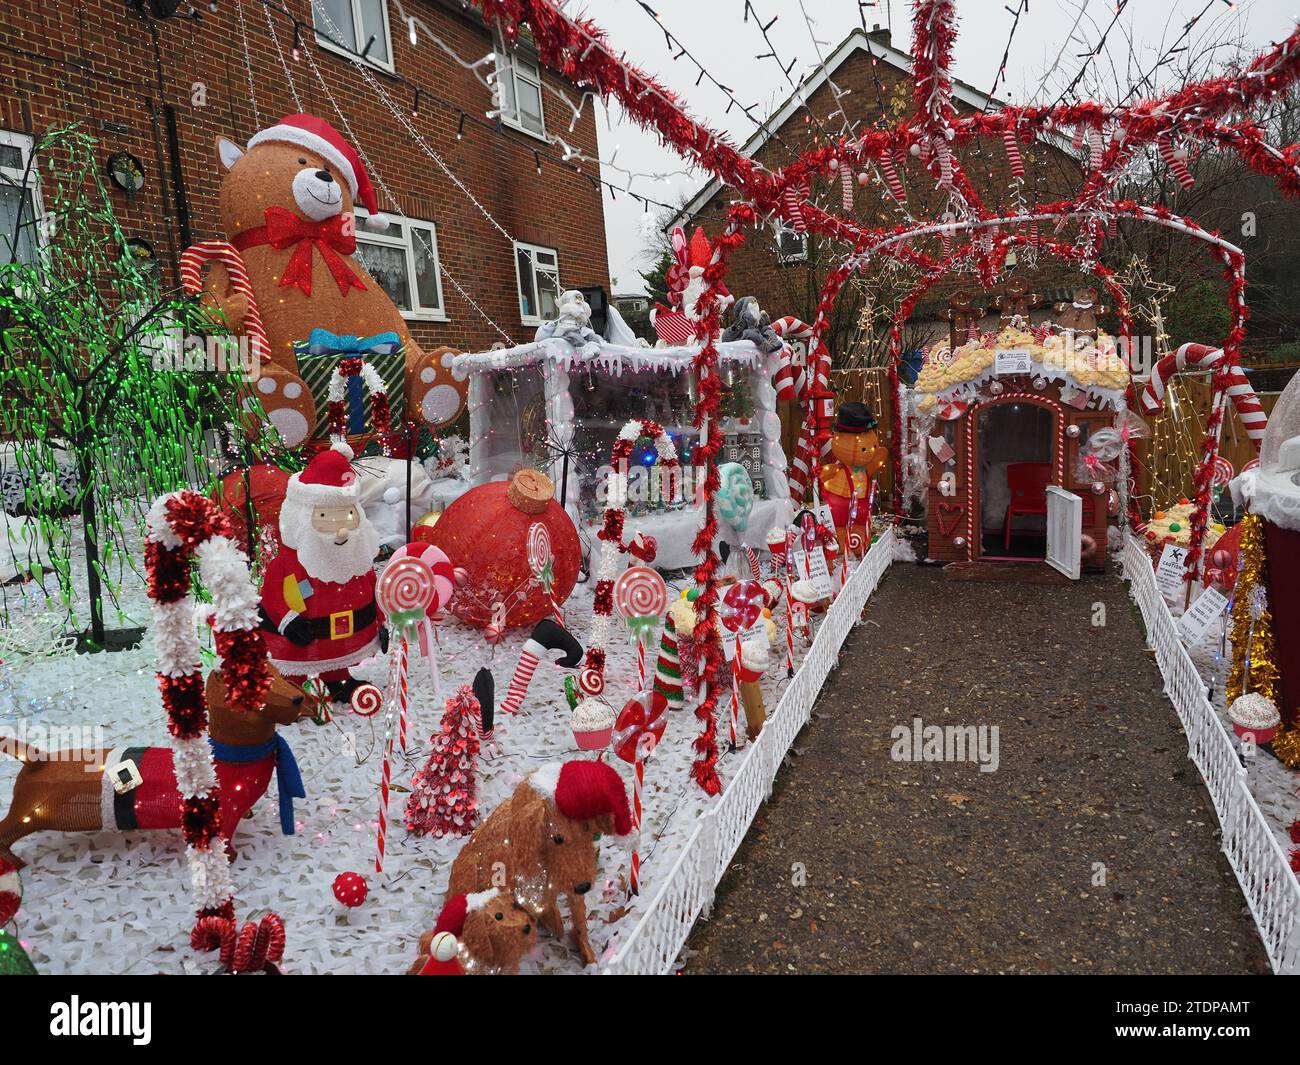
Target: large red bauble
column 485, row 532
column 266, row 486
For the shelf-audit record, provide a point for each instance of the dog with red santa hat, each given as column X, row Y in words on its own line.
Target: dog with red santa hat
column 318, row 594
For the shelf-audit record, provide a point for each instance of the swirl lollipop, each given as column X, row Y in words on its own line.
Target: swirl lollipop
column 641, row 598
column 742, row 605
column 406, row 589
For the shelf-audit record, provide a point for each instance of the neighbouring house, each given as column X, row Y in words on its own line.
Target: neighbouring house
column 157, row 93
column 870, row 80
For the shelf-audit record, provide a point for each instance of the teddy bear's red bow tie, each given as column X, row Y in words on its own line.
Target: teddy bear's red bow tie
column 334, row 238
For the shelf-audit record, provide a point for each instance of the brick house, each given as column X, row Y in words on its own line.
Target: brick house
column 164, row 90
column 869, row 79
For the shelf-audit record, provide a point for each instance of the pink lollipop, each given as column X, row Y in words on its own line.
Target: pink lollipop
column 742, row 605
column 640, row 592
column 640, row 725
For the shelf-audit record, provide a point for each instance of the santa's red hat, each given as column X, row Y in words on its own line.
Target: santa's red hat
column 444, row 947
column 583, row 790
column 328, row 481
column 317, row 135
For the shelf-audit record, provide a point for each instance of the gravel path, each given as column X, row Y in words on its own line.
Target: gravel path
column 1090, row 849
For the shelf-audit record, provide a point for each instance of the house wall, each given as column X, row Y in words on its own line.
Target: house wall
column 92, row 63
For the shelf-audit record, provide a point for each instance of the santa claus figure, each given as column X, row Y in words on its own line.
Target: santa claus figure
column 318, row 594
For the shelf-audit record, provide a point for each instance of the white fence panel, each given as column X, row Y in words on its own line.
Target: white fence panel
column 652, row 945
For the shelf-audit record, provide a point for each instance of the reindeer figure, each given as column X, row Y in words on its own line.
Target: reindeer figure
column 132, row 788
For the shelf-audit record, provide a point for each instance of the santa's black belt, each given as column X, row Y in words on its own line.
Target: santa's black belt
column 336, row 626
column 343, row 624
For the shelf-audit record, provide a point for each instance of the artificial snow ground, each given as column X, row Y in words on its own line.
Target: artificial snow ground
column 112, row 902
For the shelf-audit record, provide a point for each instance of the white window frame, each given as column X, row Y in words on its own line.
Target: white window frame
column 13, row 178
column 418, row 312
column 533, row 319
column 324, row 36
column 508, row 67
column 797, row 257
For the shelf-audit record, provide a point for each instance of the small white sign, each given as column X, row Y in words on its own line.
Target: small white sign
column 812, row 567
column 1013, row 360
column 1207, row 609
column 1169, row 570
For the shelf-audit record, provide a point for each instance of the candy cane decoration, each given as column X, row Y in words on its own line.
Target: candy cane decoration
column 1176, row 160
column 181, row 527
column 819, row 359
column 892, row 179
column 791, row 201
column 194, row 258
column 637, row 731
column 1203, row 357
column 846, row 188
column 380, row 411
column 1012, row 144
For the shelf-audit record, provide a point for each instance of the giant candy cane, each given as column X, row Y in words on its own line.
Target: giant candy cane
column 193, row 260
column 816, row 374
column 1204, row 357
column 184, row 527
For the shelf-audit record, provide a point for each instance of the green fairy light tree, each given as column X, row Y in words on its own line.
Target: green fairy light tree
column 95, row 379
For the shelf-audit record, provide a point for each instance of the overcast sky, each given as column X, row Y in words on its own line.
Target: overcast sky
column 714, row 33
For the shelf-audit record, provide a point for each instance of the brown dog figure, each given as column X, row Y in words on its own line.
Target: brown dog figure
column 287, row 207
column 135, row 788
column 479, row 934
column 541, row 843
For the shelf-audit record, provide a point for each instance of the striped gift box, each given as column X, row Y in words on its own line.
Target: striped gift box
column 316, row 371
column 673, row 327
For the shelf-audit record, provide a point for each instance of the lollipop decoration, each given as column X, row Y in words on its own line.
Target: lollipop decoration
column 637, row 732
column 444, row 584
column 405, row 591
column 641, row 598
column 541, row 561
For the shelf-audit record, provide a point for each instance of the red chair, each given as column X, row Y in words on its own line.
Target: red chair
column 1027, row 483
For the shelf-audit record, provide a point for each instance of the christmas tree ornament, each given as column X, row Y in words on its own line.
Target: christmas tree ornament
column 350, row 889
column 486, row 533
column 251, row 498
column 544, row 837
column 422, row 530
column 443, row 801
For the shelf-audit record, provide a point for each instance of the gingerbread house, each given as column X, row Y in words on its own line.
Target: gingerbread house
column 1005, row 429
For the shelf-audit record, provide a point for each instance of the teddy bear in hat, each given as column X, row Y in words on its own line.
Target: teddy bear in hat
column 287, row 207
column 478, row 934
column 545, row 836
column 846, row 482
column 319, row 613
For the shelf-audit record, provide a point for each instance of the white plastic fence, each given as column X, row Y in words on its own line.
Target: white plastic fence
column 1262, row 868
column 652, row 946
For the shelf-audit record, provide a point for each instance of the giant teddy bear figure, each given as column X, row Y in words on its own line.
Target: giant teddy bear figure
column 287, row 207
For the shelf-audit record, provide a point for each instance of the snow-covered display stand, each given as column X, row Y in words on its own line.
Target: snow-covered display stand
column 558, row 406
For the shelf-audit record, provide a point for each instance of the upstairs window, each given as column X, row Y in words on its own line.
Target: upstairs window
column 349, row 24
column 403, row 260
column 538, row 271
column 519, row 77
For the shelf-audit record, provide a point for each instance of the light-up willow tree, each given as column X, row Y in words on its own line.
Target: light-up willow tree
column 87, row 334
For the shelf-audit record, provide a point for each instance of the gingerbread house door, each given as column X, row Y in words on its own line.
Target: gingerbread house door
column 1064, row 531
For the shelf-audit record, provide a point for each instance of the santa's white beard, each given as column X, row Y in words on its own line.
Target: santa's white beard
column 319, row 554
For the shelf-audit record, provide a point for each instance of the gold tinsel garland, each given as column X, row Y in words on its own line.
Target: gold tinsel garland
column 1257, row 642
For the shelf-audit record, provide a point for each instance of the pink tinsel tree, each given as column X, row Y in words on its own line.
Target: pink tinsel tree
column 443, row 798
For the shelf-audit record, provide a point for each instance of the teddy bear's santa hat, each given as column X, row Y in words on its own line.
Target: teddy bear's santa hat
column 317, row 135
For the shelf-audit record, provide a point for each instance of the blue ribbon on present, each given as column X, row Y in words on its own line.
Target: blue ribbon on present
column 287, row 776
column 323, row 342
